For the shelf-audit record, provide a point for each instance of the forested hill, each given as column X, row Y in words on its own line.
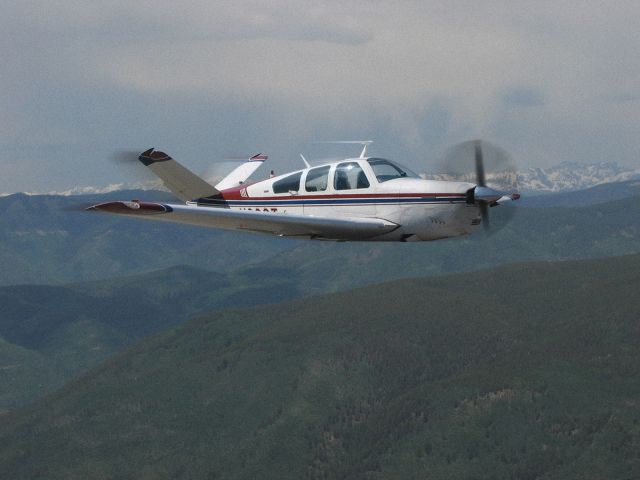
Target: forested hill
column 527, row 371
column 48, row 334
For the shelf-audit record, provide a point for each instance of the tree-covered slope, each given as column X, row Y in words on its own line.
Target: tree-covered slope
column 48, row 334
column 527, row 371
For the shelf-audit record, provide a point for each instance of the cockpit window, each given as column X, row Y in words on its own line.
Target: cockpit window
column 317, row 179
column 348, row 176
column 387, row 170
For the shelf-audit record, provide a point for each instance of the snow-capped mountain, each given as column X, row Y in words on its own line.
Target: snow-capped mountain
column 565, row 177
column 569, row 176
column 92, row 190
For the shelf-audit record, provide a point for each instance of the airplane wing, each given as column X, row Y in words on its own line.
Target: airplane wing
column 274, row 223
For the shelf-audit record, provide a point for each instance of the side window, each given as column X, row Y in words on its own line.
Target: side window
column 317, row 179
column 350, row 176
column 287, row 184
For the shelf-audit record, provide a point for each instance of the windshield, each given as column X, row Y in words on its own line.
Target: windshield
column 387, row 170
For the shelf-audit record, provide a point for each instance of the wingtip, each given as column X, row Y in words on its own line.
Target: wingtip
column 131, row 207
column 152, row 156
column 259, row 157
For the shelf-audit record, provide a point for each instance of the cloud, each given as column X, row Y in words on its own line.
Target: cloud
column 549, row 81
column 523, row 97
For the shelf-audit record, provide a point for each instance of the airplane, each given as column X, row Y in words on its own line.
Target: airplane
column 356, row 199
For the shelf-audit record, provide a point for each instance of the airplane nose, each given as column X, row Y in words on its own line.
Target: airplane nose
column 487, row 194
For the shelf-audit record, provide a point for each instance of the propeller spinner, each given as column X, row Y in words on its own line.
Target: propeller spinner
column 491, row 169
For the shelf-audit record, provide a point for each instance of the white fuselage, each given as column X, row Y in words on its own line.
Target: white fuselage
column 359, row 188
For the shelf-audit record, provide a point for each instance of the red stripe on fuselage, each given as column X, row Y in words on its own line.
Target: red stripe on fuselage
column 235, row 195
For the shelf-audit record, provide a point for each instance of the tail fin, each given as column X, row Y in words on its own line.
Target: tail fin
column 183, row 183
column 242, row 172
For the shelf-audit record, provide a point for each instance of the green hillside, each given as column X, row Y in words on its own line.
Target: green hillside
column 48, row 334
column 528, row 371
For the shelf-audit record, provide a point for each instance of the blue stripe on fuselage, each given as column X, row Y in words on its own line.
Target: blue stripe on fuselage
column 253, row 202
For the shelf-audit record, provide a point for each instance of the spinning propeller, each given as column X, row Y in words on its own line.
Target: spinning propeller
column 128, row 161
column 468, row 162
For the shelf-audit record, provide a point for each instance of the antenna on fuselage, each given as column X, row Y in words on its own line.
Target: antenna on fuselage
column 364, row 143
column 305, row 161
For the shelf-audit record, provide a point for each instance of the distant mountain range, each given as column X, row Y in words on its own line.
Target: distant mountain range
column 528, row 371
column 50, row 240
column 569, row 176
column 602, row 193
column 565, row 177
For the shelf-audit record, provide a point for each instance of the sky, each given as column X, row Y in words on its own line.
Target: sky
column 548, row 81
